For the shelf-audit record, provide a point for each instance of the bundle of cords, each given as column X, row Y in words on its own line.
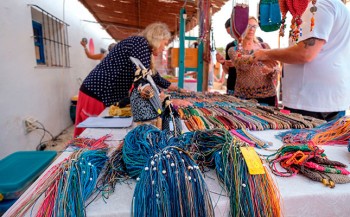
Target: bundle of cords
column 67, row 186
column 115, row 171
column 140, row 144
column 311, row 162
column 89, row 143
column 330, row 133
column 247, row 137
column 68, row 195
column 206, row 143
column 169, row 182
column 250, row 195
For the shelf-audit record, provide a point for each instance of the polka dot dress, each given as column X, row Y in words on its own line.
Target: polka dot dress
column 111, row 80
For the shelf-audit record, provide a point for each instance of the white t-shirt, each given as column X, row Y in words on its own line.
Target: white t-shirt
column 322, row 85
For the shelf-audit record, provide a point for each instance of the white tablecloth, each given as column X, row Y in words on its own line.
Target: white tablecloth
column 300, row 196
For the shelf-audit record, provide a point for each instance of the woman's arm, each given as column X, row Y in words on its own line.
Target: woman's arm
column 99, row 56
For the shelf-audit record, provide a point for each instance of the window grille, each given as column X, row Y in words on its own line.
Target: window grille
column 50, row 36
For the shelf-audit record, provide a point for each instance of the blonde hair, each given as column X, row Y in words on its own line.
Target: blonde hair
column 155, row 33
column 254, row 18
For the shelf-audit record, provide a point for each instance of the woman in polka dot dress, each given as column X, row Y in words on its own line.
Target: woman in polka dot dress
column 111, row 80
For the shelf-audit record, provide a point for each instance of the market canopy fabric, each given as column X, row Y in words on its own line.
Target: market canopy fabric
column 122, row 18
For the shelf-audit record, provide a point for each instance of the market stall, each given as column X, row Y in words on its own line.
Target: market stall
column 299, row 196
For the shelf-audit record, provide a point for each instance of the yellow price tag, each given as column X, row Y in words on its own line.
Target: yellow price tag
column 252, row 160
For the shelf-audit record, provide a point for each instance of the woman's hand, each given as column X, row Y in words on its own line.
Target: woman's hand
column 220, row 58
column 260, row 55
column 228, row 63
column 181, row 102
column 180, row 90
column 83, row 43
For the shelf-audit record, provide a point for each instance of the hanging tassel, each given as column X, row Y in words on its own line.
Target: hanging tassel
column 313, row 10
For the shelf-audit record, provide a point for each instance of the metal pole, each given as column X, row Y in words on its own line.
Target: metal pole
column 182, row 28
column 200, row 67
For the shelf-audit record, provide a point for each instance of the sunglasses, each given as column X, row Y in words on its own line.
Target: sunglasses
column 252, row 26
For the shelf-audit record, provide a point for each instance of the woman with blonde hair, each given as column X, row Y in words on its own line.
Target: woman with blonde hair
column 254, row 80
column 111, row 80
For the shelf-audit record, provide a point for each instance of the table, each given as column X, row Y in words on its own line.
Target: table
column 300, row 196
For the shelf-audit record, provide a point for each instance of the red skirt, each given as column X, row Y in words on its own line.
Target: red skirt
column 86, row 107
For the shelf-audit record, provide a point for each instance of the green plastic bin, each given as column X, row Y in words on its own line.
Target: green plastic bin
column 20, row 169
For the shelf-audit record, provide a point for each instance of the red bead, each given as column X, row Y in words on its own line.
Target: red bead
column 298, row 21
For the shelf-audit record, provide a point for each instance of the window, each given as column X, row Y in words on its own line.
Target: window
column 38, row 43
column 50, row 39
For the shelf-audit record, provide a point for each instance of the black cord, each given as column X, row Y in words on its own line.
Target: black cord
column 42, row 145
column 43, row 128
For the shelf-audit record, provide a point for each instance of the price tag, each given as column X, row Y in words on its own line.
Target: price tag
column 252, row 160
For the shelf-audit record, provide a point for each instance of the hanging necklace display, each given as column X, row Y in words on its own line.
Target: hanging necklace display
column 284, row 10
column 296, row 8
column 239, row 18
column 313, row 10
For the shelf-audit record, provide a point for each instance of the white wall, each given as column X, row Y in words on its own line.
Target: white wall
column 40, row 92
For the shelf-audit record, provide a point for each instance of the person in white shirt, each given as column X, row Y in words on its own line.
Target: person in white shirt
column 316, row 78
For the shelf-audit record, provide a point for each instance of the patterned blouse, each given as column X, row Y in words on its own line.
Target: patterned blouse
column 253, row 79
column 111, row 80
